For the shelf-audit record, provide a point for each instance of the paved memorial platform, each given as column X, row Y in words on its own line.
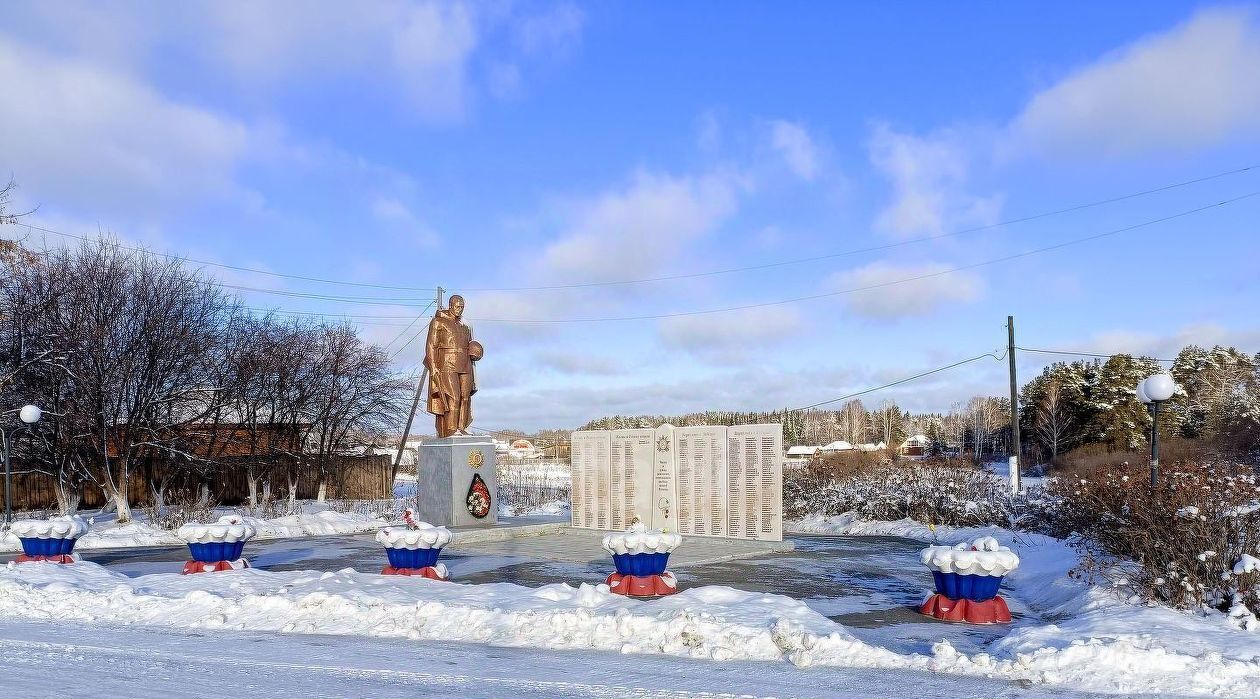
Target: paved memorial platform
column 559, row 542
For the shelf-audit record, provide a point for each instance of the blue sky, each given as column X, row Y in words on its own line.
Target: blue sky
column 492, row 146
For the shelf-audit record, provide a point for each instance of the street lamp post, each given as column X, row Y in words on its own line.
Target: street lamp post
column 29, row 415
column 1154, row 391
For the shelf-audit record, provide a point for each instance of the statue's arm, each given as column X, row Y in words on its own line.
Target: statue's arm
column 430, row 347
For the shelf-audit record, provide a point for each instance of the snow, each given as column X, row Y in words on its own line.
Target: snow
column 229, row 529
column 638, row 539
column 1094, row 642
column 424, row 536
column 138, row 533
column 1091, row 638
column 54, row 528
column 984, row 556
column 1247, row 564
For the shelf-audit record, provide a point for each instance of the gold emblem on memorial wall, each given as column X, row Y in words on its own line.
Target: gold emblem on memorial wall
column 476, row 459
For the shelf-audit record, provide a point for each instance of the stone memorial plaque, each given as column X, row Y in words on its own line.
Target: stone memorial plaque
column 631, row 477
column 590, row 463
column 701, row 480
column 697, row 481
column 664, row 487
column 755, row 482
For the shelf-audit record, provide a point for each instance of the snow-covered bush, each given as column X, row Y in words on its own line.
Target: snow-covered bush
column 929, row 492
column 1191, row 542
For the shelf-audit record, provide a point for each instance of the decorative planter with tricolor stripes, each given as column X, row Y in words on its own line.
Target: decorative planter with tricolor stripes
column 414, row 550
column 216, row 547
column 51, row 540
column 967, row 578
column 640, row 557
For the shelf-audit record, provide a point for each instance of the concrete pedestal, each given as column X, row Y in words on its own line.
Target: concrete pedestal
column 446, row 472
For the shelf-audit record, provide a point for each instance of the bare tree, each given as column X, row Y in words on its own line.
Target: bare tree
column 1054, row 418
column 853, row 422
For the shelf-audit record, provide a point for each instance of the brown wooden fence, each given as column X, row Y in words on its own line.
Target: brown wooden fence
column 354, row 478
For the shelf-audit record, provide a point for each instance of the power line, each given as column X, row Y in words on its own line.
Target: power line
column 691, row 275
column 992, row 355
column 870, row 287
column 1090, row 354
column 404, row 330
column 875, row 248
column 220, row 265
column 811, row 297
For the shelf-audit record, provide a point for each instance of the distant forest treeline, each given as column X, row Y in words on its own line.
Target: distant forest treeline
column 1068, row 405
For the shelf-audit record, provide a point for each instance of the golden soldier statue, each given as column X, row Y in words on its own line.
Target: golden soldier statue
column 449, row 355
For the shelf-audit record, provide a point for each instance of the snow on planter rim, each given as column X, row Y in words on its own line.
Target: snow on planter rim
column 53, row 528
column 984, row 556
column 638, row 539
column 425, row 536
column 229, row 529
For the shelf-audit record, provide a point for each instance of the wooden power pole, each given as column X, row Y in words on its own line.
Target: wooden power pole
column 415, row 405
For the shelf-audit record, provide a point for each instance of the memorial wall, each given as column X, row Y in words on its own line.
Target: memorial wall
column 697, row 481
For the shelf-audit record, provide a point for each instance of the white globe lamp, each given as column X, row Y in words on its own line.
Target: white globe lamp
column 1154, row 391
column 30, row 414
column 1159, row 387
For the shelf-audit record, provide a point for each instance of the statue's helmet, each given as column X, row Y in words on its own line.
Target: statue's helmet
column 476, row 351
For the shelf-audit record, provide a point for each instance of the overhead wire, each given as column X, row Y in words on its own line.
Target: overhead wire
column 810, row 297
column 991, row 355
column 673, row 277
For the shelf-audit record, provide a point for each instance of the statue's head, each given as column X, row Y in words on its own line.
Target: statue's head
column 456, row 306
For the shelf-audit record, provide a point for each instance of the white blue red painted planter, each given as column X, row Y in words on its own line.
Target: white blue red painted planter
column 50, row 540
column 414, row 550
column 216, row 547
column 967, row 578
column 640, row 557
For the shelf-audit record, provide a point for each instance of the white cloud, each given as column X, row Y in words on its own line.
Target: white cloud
column 730, row 336
column 881, row 292
column 429, row 54
column 1166, row 346
column 929, row 176
column 554, row 30
column 398, row 218
column 109, row 142
column 793, row 143
column 577, row 363
column 639, row 229
column 1192, row 86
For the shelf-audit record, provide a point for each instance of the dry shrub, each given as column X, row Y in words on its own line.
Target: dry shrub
column 181, row 508
column 1087, row 459
column 931, row 492
column 1184, row 536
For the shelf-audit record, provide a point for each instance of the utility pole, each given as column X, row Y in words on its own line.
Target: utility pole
column 1010, row 354
column 415, row 405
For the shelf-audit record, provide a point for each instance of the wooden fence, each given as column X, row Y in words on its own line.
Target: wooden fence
column 353, row 478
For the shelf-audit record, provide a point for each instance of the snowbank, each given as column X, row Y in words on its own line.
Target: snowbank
column 714, row 622
column 137, row 533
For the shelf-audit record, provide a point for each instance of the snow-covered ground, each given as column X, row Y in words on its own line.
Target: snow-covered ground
column 106, row 533
column 1126, row 645
column 1091, row 641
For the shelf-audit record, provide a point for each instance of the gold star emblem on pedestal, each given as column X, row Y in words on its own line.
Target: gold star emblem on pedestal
column 476, row 459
